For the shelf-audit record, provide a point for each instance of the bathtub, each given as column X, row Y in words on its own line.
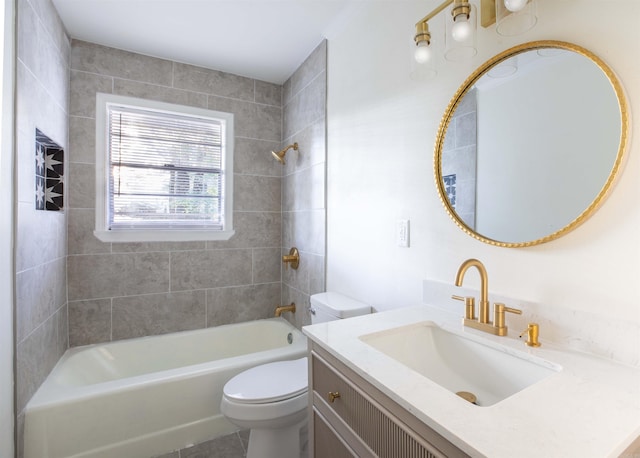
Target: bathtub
column 151, row 395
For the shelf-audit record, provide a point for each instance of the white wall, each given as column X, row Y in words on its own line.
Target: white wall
column 381, row 131
column 6, row 230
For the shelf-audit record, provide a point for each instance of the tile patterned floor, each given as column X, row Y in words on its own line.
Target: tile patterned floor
column 231, row 446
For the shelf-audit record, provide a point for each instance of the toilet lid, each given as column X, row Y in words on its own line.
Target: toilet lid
column 269, row 382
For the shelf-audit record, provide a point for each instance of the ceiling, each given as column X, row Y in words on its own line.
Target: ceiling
column 261, row 39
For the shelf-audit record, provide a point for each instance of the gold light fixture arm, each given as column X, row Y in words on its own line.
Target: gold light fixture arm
column 434, row 13
column 487, row 12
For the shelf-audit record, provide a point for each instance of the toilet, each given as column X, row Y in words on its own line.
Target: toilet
column 271, row 399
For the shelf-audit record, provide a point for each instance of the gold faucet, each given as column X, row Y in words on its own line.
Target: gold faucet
column 498, row 327
column 484, row 286
column 292, row 258
column 285, row 308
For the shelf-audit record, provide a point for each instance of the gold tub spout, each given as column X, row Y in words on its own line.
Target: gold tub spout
column 285, row 308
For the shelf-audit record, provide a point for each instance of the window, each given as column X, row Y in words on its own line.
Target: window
column 163, row 172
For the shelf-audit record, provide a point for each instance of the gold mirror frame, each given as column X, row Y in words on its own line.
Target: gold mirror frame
column 466, row 86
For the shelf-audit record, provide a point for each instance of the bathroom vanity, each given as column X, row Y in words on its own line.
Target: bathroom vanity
column 371, row 396
column 351, row 417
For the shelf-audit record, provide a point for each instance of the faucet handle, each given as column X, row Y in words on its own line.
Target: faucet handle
column 498, row 315
column 469, row 306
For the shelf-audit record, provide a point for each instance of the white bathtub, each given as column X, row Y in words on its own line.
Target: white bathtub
column 148, row 396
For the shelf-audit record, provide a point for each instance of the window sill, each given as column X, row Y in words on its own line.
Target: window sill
column 161, row 235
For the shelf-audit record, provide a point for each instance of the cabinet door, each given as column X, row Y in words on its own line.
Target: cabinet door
column 366, row 419
column 327, row 443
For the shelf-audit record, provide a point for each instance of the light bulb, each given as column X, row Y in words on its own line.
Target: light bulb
column 515, row 5
column 461, row 29
column 422, row 53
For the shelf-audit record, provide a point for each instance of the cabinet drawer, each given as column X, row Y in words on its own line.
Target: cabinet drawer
column 327, row 443
column 374, row 425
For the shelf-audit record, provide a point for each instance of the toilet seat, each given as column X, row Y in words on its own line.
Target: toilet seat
column 269, row 383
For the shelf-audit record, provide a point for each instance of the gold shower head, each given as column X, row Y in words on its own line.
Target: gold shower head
column 280, row 154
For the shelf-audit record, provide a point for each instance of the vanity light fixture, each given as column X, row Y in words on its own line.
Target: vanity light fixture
column 280, row 154
column 512, row 16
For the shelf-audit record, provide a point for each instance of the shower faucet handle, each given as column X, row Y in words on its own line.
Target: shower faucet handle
column 292, row 258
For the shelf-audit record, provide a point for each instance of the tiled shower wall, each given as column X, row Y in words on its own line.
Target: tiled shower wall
column 459, row 157
column 304, row 183
column 122, row 290
column 40, row 264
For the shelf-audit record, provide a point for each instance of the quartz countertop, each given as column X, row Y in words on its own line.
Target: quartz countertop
column 590, row 408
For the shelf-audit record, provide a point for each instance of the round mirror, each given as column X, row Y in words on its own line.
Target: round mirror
column 531, row 143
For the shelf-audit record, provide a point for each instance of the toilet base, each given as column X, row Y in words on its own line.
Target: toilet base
column 288, row 442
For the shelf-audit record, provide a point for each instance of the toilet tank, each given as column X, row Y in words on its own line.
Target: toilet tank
column 331, row 306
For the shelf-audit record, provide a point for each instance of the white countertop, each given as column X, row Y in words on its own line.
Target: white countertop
column 591, row 408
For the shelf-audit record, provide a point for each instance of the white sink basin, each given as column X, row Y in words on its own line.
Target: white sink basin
column 460, row 362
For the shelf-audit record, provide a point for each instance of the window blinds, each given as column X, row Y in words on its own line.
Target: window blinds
column 165, row 170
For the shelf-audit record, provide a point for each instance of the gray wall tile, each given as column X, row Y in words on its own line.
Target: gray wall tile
column 304, row 183
column 268, row 93
column 302, row 317
column 305, row 230
column 52, row 24
column 153, row 314
column 159, row 93
column 140, row 247
column 82, row 140
column 311, row 147
column 287, row 92
column 306, row 107
column 38, row 304
column 210, row 269
column 27, row 43
column 81, row 185
column 110, row 275
column 84, row 87
column 89, row 322
column 80, row 233
column 251, row 120
column 313, row 65
column 256, row 193
column 244, row 303
column 36, row 355
column 40, row 237
column 93, row 58
column 253, row 229
column 317, row 274
column 42, row 99
column 213, row 82
column 106, row 270
column 253, row 157
column 36, row 108
column 267, row 265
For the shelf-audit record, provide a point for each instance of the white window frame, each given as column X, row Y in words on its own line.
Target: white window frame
column 102, row 231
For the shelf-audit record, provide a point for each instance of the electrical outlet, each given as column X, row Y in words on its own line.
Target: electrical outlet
column 403, row 233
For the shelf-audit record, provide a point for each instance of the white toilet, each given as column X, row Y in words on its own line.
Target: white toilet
column 271, row 399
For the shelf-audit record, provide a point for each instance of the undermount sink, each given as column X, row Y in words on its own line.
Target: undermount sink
column 461, row 363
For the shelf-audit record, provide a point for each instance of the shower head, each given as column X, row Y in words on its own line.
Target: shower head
column 280, row 154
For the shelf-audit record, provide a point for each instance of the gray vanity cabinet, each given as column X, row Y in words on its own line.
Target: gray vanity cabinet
column 352, row 418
